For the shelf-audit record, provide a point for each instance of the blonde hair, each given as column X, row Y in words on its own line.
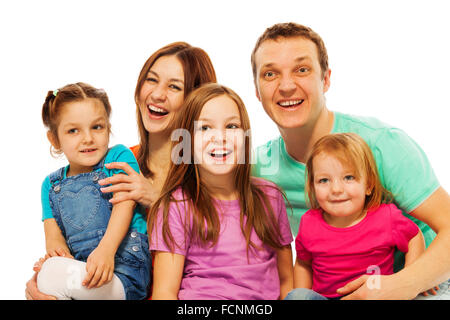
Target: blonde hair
column 351, row 150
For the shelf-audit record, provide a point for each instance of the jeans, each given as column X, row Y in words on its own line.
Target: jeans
column 82, row 213
column 442, row 294
column 304, row 294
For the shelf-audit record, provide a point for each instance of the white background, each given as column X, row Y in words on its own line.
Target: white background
column 389, row 59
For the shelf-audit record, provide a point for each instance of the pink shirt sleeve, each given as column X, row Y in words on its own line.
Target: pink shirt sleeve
column 283, row 222
column 176, row 222
column 403, row 229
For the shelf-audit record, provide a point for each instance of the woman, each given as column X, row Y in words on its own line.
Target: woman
column 166, row 78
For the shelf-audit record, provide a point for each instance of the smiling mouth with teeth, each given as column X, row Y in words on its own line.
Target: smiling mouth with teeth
column 88, row 150
column 157, row 111
column 219, row 153
column 290, row 104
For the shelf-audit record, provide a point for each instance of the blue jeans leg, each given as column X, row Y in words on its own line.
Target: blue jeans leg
column 304, row 294
column 442, row 294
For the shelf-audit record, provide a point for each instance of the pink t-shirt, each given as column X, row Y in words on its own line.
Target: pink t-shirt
column 340, row 255
column 223, row 271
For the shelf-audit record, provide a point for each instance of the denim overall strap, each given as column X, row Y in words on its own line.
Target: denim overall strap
column 56, row 176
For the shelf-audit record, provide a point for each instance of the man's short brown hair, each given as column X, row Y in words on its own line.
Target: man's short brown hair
column 292, row 30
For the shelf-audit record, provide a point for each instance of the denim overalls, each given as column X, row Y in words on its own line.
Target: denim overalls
column 82, row 213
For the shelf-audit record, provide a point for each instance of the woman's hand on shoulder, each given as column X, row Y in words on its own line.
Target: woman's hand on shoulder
column 132, row 185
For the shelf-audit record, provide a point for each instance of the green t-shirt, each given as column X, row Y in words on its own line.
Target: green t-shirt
column 403, row 167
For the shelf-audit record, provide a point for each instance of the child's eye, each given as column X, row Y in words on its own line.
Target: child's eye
column 204, row 128
column 98, row 127
column 233, row 126
column 323, row 180
column 349, row 177
column 73, row 130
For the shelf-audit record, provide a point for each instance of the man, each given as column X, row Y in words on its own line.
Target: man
column 291, row 75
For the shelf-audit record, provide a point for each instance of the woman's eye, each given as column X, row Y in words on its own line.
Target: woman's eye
column 204, row 128
column 151, row 79
column 175, row 87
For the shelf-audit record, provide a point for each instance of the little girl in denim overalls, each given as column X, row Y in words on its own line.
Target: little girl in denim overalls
column 97, row 251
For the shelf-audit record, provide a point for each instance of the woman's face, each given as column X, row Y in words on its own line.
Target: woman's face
column 162, row 94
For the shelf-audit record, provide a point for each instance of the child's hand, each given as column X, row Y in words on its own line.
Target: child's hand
column 430, row 291
column 58, row 252
column 99, row 267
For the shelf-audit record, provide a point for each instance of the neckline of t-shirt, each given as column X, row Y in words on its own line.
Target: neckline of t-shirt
column 346, row 229
column 227, row 203
column 298, row 163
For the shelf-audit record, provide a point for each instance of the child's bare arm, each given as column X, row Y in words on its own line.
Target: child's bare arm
column 302, row 274
column 100, row 263
column 167, row 274
column 416, row 247
column 55, row 243
column 285, row 270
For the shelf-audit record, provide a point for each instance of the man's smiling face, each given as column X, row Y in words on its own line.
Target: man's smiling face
column 289, row 81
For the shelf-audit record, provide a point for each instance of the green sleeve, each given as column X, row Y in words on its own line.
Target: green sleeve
column 404, row 169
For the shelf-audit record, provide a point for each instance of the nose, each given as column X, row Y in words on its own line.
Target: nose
column 336, row 187
column 287, row 85
column 217, row 136
column 159, row 93
column 87, row 137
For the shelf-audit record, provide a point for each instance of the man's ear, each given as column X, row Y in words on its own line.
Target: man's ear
column 53, row 140
column 326, row 80
column 257, row 92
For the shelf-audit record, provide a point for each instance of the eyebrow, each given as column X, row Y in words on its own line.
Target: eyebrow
column 170, row 80
column 227, row 119
column 298, row 59
column 74, row 124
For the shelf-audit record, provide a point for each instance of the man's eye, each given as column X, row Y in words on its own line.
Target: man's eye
column 303, row 69
column 269, row 74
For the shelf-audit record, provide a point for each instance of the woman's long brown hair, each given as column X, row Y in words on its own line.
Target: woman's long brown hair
column 256, row 211
column 198, row 69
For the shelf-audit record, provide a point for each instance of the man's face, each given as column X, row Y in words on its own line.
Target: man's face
column 289, row 81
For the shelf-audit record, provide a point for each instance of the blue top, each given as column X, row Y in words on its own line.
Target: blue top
column 118, row 153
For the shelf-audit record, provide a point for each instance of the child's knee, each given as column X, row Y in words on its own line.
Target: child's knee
column 57, row 276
